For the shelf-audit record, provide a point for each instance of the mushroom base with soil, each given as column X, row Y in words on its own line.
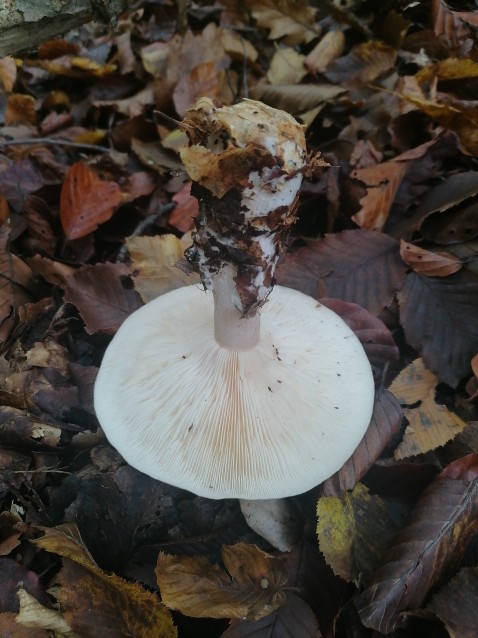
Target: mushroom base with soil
column 272, row 420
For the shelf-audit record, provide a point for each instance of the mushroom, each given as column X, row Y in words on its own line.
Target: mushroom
column 216, row 391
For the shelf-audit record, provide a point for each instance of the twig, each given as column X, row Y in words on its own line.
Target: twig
column 56, row 142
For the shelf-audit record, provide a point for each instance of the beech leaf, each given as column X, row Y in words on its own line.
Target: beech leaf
column 97, row 604
column 385, row 424
column 100, row 296
column 154, row 262
column 430, row 425
column 86, row 201
column 427, row 548
column 428, row 263
column 292, row 619
column 251, row 587
column 354, row 531
column 436, row 311
column 456, row 604
column 382, row 182
column 358, row 266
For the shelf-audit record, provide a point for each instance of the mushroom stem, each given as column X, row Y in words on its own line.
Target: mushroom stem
column 232, row 329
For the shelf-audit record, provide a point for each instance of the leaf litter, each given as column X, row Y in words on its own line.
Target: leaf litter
column 94, row 204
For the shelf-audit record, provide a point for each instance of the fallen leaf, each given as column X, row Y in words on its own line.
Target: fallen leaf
column 382, row 182
column 20, row 109
column 14, row 573
column 86, row 201
column 273, row 519
column 456, row 604
column 154, row 262
column 353, row 531
column 365, row 62
column 428, row 263
column 430, row 424
column 95, row 603
column 329, row 47
column 286, row 67
column 423, row 553
column 384, row 426
column 292, row 619
column 203, row 80
column 442, row 310
column 8, row 72
column 356, row 266
column 187, row 208
column 293, row 21
column 296, row 98
column 251, row 588
column 37, row 618
column 101, row 297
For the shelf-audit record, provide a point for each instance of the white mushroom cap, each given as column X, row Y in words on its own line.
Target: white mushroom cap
column 269, row 422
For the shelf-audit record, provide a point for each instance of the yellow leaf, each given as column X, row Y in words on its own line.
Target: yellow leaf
column 430, row 424
column 154, row 264
column 449, row 69
column 353, row 532
column 251, row 588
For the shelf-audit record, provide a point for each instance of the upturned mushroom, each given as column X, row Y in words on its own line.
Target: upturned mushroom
column 230, row 391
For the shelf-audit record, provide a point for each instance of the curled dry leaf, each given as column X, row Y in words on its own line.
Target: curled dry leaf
column 456, row 604
column 430, row 425
column 251, row 588
column 382, row 182
column 39, row 619
column 358, row 266
column 442, row 310
column 365, row 62
column 289, row 20
column 384, row 427
column 353, row 530
column 187, row 208
column 428, row 263
column 425, row 551
column 86, row 201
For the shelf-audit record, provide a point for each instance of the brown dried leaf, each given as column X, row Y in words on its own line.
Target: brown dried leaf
column 294, row 618
column 285, row 19
column 325, row 52
column 456, row 604
column 154, row 262
column 384, row 426
column 353, row 530
column 8, row 72
column 101, row 297
column 436, row 311
column 296, row 99
column 203, row 80
column 19, row 428
column 251, row 588
column 425, row 551
column 382, row 182
column 365, row 62
column 430, row 425
column 20, row 109
column 95, row 603
column 428, row 263
column 286, row 67
column 86, row 201
column 187, row 208
column 358, row 266
column 37, row 215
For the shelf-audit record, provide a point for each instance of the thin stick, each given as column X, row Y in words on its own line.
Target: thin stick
column 56, row 142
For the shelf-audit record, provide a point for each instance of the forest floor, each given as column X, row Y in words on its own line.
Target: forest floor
column 95, row 211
